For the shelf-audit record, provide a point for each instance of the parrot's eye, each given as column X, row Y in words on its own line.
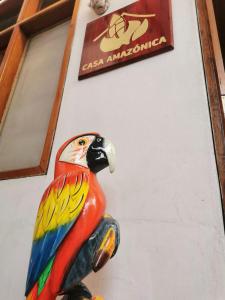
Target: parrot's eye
column 99, row 140
column 82, row 142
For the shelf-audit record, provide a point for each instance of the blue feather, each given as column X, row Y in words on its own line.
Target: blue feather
column 42, row 251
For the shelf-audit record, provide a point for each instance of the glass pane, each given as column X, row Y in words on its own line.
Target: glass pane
column 45, row 3
column 23, row 134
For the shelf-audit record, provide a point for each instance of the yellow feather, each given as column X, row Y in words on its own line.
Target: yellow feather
column 61, row 208
column 109, row 241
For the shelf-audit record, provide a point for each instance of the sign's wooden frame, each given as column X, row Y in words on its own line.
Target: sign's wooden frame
column 31, row 20
column 116, row 39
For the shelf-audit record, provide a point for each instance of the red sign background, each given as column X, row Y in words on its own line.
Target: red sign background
column 157, row 38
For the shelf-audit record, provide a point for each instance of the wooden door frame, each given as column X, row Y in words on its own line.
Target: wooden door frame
column 214, row 93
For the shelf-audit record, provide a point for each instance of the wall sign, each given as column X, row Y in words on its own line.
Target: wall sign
column 134, row 32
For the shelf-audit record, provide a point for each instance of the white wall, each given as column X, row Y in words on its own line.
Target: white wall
column 165, row 190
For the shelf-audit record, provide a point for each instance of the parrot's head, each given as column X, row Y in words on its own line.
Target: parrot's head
column 88, row 150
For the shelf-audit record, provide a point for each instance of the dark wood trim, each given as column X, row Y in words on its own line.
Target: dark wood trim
column 45, row 3
column 213, row 89
column 2, row 53
column 21, row 173
column 47, row 17
column 216, row 45
column 5, row 36
column 9, row 7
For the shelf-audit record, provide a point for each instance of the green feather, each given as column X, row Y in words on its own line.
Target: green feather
column 44, row 276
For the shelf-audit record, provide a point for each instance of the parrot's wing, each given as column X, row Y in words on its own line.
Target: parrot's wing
column 59, row 209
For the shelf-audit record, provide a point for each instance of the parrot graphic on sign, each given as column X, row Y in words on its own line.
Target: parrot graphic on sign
column 122, row 32
column 73, row 236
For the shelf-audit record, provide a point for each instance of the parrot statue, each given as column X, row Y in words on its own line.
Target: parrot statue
column 73, row 235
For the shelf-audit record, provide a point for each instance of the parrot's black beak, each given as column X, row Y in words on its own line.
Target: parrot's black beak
column 100, row 155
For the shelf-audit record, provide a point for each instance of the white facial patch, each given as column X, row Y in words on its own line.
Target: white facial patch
column 76, row 151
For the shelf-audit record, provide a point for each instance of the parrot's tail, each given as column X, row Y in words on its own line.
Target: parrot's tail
column 34, row 295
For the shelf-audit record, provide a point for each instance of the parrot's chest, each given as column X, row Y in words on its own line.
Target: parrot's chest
column 96, row 196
